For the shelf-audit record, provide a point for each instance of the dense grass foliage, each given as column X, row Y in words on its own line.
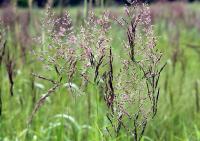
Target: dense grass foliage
column 78, row 115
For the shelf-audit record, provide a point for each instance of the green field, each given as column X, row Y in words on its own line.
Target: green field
column 81, row 116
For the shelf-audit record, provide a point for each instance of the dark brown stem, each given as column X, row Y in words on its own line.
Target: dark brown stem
column 44, row 78
column 33, row 89
column 10, row 71
column 197, row 96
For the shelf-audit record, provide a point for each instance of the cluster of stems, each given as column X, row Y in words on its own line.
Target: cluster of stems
column 130, row 89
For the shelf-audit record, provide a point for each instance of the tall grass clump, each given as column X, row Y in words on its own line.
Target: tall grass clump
column 80, row 59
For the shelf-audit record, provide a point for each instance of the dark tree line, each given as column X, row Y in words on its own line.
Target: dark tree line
column 41, row 3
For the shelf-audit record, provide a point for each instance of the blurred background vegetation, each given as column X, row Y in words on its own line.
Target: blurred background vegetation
column 41, row 3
